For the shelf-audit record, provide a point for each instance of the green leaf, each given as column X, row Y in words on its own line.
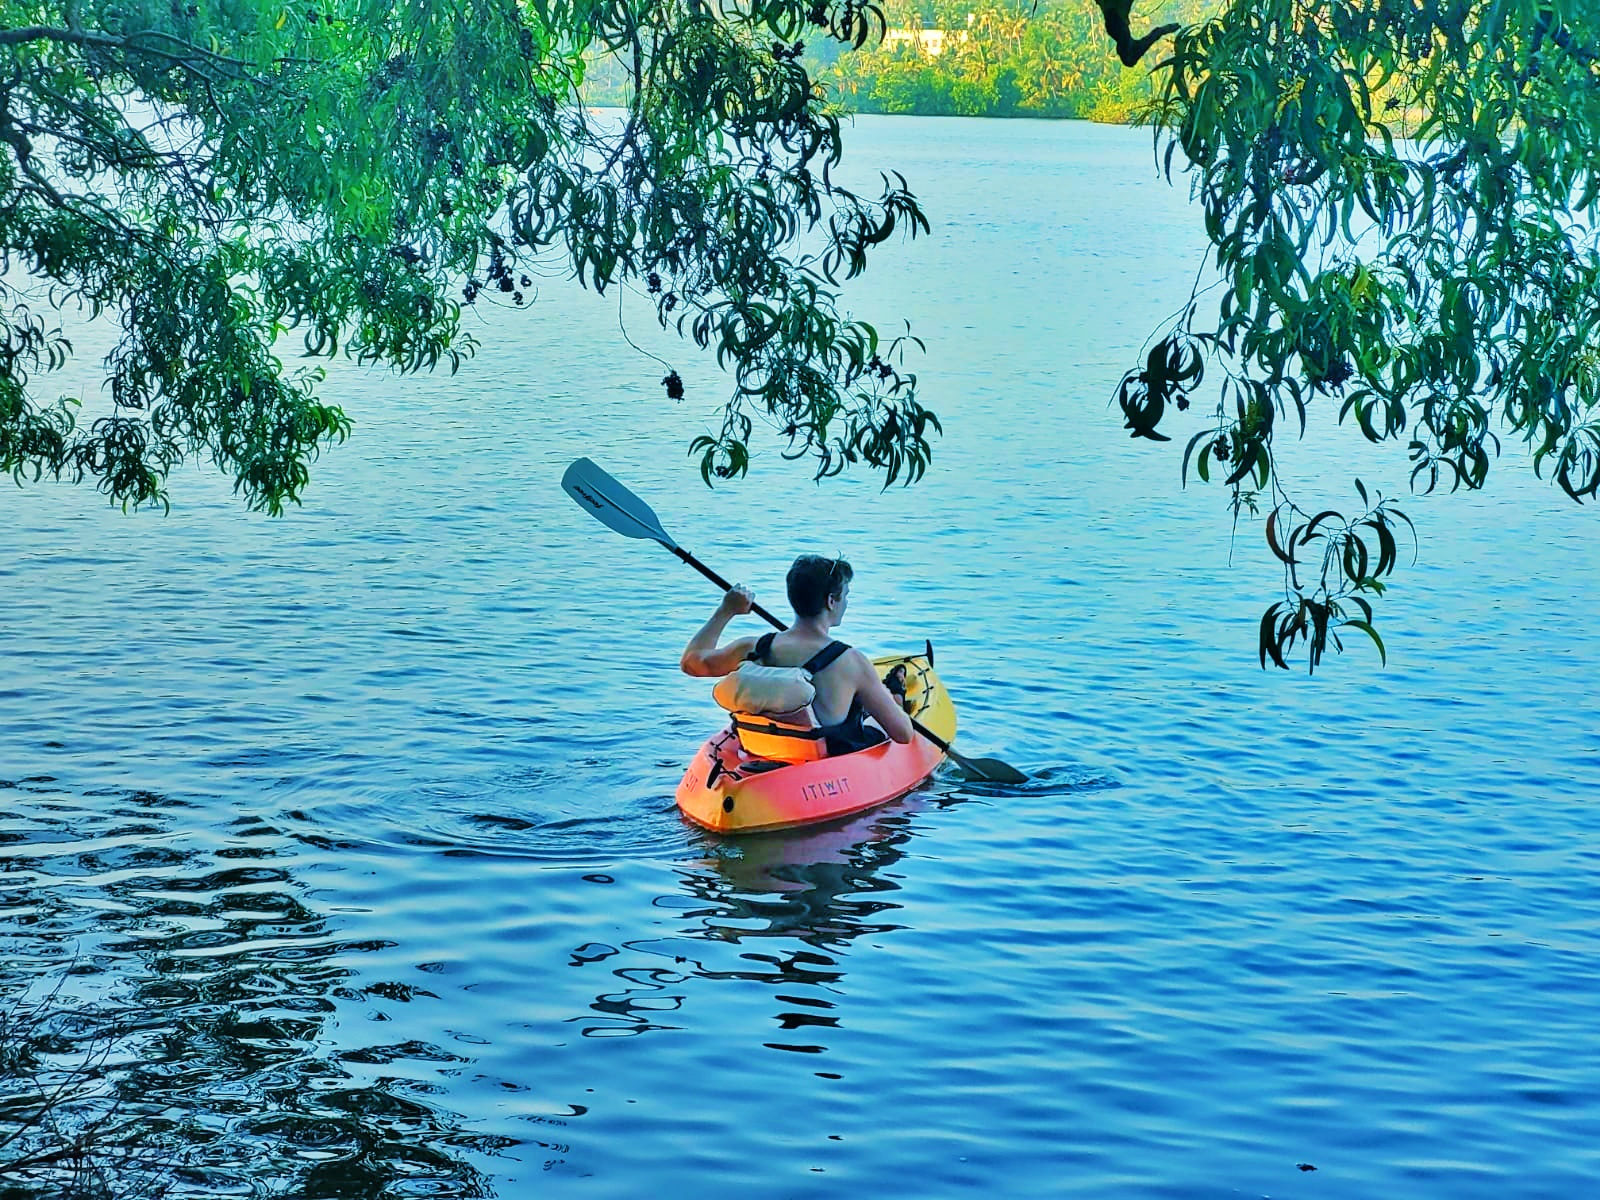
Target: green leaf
column 1366, row 628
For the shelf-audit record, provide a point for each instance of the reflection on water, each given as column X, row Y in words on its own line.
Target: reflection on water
column 179, row 994
column 171, row 1000
column 790, row 903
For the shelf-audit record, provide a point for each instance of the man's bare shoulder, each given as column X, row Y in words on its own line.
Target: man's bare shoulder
column 858, row 664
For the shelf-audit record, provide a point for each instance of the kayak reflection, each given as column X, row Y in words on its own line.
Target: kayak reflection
column 780, row 910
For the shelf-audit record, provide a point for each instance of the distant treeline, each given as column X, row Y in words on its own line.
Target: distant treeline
column 992, row 58
column 999, row 59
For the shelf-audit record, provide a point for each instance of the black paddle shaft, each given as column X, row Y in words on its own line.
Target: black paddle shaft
column 724, row 584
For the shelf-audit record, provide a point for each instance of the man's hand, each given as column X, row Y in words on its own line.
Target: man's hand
column 737, row 600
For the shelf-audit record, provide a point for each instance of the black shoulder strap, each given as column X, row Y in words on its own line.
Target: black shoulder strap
column 762, row 649
column 824, row 658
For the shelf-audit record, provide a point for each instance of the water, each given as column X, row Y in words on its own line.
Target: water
column 344, row 845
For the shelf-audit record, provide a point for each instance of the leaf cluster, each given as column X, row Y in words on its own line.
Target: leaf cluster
column 221, row 181
column 1400, row 200
column 715, row 191
column 1342, row 550
column 234, row 183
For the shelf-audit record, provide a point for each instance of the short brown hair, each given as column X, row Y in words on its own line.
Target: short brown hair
column 814, row 580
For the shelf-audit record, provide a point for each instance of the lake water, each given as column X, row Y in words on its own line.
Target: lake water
column 344, row 844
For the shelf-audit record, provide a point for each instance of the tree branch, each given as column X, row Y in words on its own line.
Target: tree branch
column 187, row 55
column 1129, row 49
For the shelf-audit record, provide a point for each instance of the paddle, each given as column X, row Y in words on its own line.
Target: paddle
column 616, row 507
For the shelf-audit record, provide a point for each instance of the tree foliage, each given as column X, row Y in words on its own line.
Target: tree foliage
column 240, row 184
column 1399, row 194
column 1400, row 199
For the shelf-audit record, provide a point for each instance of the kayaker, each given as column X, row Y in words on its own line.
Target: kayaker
column 848, row 688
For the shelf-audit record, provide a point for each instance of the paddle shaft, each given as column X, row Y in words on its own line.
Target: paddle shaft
column 777, row 624
column 722, row 583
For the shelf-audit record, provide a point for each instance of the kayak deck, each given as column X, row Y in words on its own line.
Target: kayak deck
column 727, row 790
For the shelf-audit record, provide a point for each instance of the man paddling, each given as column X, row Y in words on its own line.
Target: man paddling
column 848, row 688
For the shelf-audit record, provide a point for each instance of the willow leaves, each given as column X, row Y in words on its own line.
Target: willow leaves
column 1400, row 200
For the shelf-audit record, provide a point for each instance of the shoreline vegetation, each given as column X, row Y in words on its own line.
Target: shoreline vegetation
column 972, row 58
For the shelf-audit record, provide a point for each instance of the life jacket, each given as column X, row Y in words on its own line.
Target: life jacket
column 792, row 736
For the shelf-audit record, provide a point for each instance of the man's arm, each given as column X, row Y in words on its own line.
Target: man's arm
column 702, row 657
column 879, row 701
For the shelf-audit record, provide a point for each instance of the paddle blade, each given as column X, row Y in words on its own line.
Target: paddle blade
column 987, row 770
column 613, row 505
column 979, row 770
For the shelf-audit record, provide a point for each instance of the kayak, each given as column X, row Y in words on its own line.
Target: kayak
column 728, row 790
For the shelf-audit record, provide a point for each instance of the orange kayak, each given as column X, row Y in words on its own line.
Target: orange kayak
column 728, row 790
